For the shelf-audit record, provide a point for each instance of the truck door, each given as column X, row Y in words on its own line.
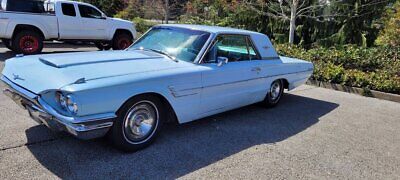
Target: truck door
column 69, row 24
column 93, row 22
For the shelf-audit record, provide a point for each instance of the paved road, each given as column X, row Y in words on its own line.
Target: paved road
column 313, row 134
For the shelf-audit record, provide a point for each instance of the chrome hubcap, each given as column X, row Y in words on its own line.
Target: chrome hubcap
column 140, row 122
column 275, row 91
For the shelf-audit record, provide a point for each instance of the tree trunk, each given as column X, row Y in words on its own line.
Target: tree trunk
column 292, row 22
column 166, row 11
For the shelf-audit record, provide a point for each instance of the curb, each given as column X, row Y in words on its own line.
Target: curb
column 355, row 90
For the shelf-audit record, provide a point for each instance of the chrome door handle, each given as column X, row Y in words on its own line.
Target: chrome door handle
column 256, row 69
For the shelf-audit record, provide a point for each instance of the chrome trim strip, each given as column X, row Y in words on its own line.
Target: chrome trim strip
column 195, row 88
column 25, row 93
column 44, row 107
column 74, row 120
column 255, row 79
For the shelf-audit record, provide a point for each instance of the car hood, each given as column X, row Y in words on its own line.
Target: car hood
column 47, row 72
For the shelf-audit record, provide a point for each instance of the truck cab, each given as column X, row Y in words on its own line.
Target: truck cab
column 25, row 24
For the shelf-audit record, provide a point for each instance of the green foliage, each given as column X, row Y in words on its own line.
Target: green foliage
column 142, row 25
column 339, row 23
column 370, row 68
column 109, row 7
column 391, row 34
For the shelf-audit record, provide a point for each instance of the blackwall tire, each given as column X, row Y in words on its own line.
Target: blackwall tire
column 27, row 42
column 122, row 41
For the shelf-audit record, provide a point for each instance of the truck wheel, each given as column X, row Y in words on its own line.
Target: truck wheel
column 103, row 46
column 7, row 43
column 122, row 41
column 27, row 42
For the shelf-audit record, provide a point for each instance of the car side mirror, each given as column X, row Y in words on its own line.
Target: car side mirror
column 103, row 16
column 222, row 60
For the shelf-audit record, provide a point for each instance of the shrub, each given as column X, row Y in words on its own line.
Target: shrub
column 142, row 25
column 369, row 68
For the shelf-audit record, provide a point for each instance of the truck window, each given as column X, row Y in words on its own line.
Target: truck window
column 68, row 9
column 32, row 6
column 89, row 12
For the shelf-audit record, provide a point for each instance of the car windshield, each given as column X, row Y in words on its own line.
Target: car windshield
column 182, row 44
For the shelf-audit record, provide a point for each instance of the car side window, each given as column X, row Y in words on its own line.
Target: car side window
column 234, row 47
column 68, row 9
column 89, row 12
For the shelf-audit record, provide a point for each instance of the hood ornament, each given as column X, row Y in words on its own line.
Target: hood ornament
column 16, row 77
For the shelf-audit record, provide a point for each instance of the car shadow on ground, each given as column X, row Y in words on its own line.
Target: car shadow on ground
column 181, row 149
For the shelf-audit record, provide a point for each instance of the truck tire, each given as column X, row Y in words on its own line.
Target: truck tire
column 7, row 43
column 27, row 42
column 122, row 41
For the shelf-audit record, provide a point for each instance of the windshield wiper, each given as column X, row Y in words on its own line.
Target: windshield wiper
column 159, row 52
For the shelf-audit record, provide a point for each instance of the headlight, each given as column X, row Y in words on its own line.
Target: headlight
column 67, row 102
column 71, row 105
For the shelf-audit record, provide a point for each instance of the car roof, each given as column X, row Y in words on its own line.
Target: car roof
column 211, row 29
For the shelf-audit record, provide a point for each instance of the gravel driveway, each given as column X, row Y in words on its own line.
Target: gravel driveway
column 314, row 133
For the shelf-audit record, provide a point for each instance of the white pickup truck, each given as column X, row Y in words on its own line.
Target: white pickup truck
column 25, row 24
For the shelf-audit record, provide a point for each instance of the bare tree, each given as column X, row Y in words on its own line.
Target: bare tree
column 288, row 10
column 162, row 8
column 291, row 10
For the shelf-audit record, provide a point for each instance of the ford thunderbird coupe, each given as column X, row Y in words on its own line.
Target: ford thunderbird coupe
column 173, row 73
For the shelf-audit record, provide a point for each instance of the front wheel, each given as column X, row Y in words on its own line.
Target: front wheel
column 27, row 42
column 138, row 123
column 274, row 94
column 122, row 41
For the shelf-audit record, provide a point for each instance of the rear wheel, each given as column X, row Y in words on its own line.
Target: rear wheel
column 138, row 123
column 122, row 41
column 274, row 94
column 27, row 42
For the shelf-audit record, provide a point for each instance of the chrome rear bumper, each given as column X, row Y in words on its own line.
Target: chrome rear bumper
column 82, row 128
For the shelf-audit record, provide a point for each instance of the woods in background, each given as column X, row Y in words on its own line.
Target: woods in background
column 306, row 23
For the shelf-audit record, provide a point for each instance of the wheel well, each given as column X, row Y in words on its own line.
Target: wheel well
column 120, row 31
column 285, row 83
column 23, row 27
column 172, row 118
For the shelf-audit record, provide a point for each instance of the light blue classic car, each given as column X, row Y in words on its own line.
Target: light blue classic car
column 172, row 73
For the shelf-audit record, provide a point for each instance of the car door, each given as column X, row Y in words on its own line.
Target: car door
column 93, row 22
column 69, row 23
column 228, row 85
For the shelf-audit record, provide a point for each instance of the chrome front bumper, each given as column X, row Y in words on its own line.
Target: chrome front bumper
column 83, row 128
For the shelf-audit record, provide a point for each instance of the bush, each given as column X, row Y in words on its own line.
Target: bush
column 369, row 68
column 142, row 25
